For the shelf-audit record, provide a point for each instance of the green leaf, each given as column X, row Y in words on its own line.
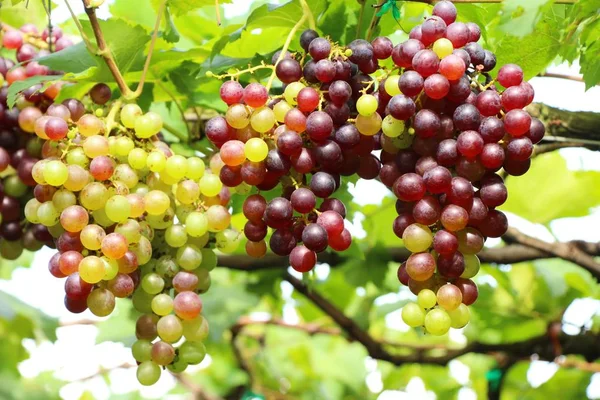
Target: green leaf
column 519, row 18
column 170, row 34
column 11, row 308
column 8, row 266
column 334, row 21
column 180, row 7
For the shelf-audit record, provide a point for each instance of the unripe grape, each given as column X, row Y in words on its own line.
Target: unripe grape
column 413, row 315
column 95, row 146
column 256, row 149
column 368, row 126
column 291, row 92
column 169, row 328
column 459, row 317
column 417, row 238
column 92, row 269
column 437, row 322
column 195, row 330
column 262, row 119
column 392, row 85
column 449, row 297
column 366, row 105
column 196, row 224
column 129, row 114
column 426, row 299
column 137, row 158
column 55, row 173
column 443, row 47
column 148, row 125
column 101, row 302
column 210, row 185
column 141, row 350
column 89, row 125
column 148, row 373
column 162, row 304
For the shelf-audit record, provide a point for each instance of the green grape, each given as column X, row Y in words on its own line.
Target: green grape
column 218, row 218
column 137, row 158
column 93, row 196
column 177, row 367
column 237, row 116
column 47, row 214
column 31, row 210
column 142, row 301
column 95, row 146
column 148, row 125
column 256, row 149
column 291, row 92
column 168, row 179
column 413, row 315
column 157, row 202
column 141, row 350
column 262, row 120
column 143, row 250
column 281, row 109
column 101, row 218
column 243, row 189
column 472, row 265
column 127, row 175
column 196, row 168
column 117, row 208
column 124, row 145
column 437, row 322
column 13, row 186
column 161, row 221
column 89, row 125
column 195, row 330
column 92, row 269
column 148, row 373
column 192, row 352
column 156, row 161
column 101, row 302
column 129, row 113
column 210, row 185
column 130, row 229
column 55, row 173
column 91, row 236
column 204, row 280
column 153, row 283
column 62, row 199
column 443, row 47
column 199, row 242
column 426, row 299
column 187, row 191
column 162, row 304
column 38, row 172
column 169, row 328
column 417, row 238
column 459, row 317
column 112, row 146
column 189, row 257
column 56, row 230
column 209, row 259
column 366, row 105
column 196, row 224
column 176, row 166
column 228, row 240
column 166, row 267
column 392, row 86
column 176, row 235
column 112, row 268
column 392, row 127
column 370, row 125
column 77, row 156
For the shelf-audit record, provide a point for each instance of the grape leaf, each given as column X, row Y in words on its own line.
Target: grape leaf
column 519, row 17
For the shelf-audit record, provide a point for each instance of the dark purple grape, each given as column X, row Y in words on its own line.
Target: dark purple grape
column 362, row 51
column 451, row 265
column 319, row 48
column 333, row 204
column 426, row 123
column 537, row 130
column 289, row 143
column 491, row 129
column 467, row 117
column 476, row 53
column 288, row 70
column 315, row 238
column 307, row 37
column 382, row 47
column 401, row 107
column 322, row 184
column 282, row 242
column 432, row 29
column 319, row 125
column 100, row 93
column 347, row 136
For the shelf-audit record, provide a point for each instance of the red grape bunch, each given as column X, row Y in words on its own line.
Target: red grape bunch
column 444, row 128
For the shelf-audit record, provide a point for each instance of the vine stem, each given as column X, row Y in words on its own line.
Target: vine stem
column 112, row 115
column 86, row 40
column 375, row 20
column 140, row 86
column 360, row 18
column 104, row 51
column 311, row 18
column 285, row 47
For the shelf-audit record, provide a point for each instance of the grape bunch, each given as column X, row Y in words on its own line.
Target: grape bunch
column 435, row 128
column 19, row 150
column 130, row 219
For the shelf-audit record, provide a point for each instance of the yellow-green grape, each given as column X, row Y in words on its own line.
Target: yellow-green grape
column 143, row 250
column 392, row 86
column 176, row 166
column 93, row 196
column 228, row 240
column 117, row 208
column 169, row 328
column 136, row 201
column 92, row 269
column 196, row 168
column 370, row 125
column 56, row 230
column 443, row 47
column 137, row 158
column 131, row 229
column 237, row 116
column 281, row 109
column 129, row 113
column 47, row 214
column 392, row 127
column 210, row 185
column 176, row 236
column 426, row 299
column 262, row 119
column 153, row 283
column 417, row 238
column 291, row 92
column 157, row 202
column 472, row 265
column 413, row 315
column 31, row 210
column 196, row 224
column 148, row 373
column 55, row 173
column 77, row 156
column 91, row 236
column 161, row 221
column 192, row 352
column 216, row 163
column 38, row 171
column 63, row 198
column 168, row 179
column 218, row 218
column 366, row 105
column 195, row 330
column 162, row 304
column 124, row 145
column 112, row 268
column 95, row 146
column 187, row 191
column 148, row 125
column 142, row 350
column 437, row 322
column 199, row 242
column 243, row 188
column 101, row 302
column 125, row 174
column 459, row 317
column 78, row 178
column 256, row 149
column 404, row 141
column 189, row 257
column 89, row 125
column 101, row 218
column 156, row 161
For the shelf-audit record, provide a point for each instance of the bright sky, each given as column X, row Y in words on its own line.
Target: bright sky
column 76, row 357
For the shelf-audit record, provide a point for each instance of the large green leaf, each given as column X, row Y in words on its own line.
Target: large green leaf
column 559, row 192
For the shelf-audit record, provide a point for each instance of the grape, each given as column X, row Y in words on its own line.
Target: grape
column 437, row 322
column 100, row 93
column 536, row 131
column 339, row 92
column 315, row 237
column 472, row 266
column 409, row 187
column 322, row 184
column 413, row 315
column 427, row 210
column 362, row 51
column 382, row 47
column 517, row 122
column 454, row 218
column 307, row 37
column 417, row 238
column 319, row 48
column 488, row 103
column 420, row 266
column 426, row 62
column 432, row 29
column 443, row 47
column 187, row 305
column 319, row 125
column 510, row 75
column 101, row 302
column 148, row 373
column 366, row 105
